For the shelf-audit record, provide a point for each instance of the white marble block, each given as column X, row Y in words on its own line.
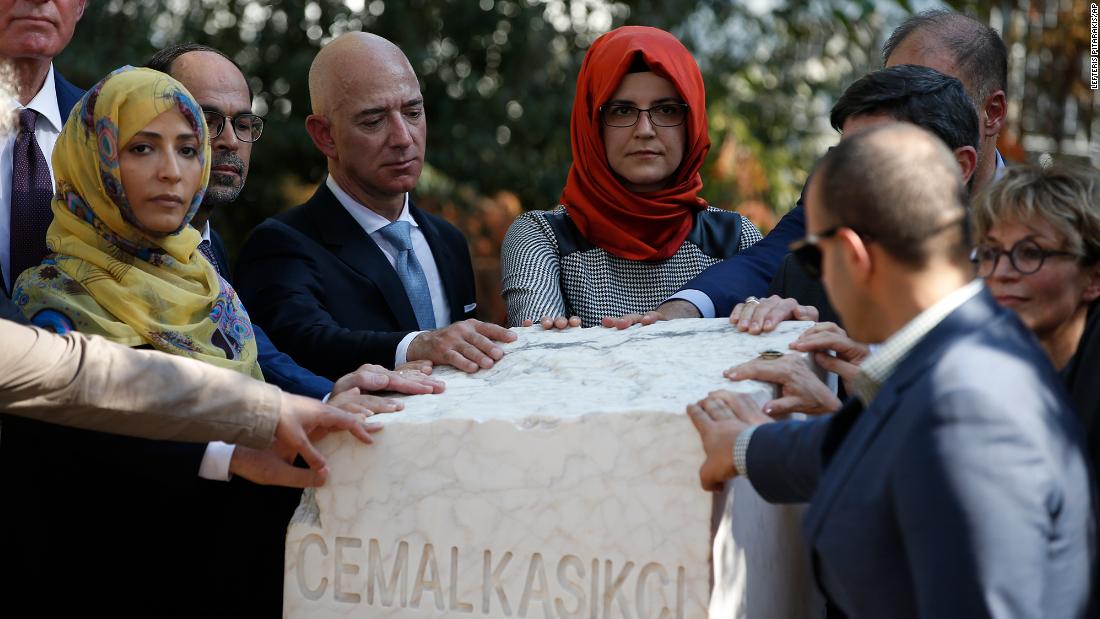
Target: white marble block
column 561, row 483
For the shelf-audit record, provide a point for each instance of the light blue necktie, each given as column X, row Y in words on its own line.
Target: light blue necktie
column 408, row 269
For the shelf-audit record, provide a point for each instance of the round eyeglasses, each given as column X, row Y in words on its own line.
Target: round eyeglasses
column 663, row 115
column 1025, row 256
column 247, row 127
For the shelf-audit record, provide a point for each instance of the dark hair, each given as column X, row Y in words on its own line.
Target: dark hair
column 919, row 95
column 162, row 61
column 977, row 49
column 639, row 65
column 899, row 186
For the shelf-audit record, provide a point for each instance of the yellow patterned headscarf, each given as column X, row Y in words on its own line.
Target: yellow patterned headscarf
column 109, row 275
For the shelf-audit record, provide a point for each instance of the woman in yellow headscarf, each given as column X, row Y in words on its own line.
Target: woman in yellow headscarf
column 131, row 167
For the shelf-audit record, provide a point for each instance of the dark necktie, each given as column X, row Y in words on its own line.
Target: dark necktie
column 31, row 191
column 208, row 251
column 409, row 271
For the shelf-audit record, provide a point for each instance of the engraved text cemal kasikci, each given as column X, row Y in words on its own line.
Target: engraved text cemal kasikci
column 581, row 589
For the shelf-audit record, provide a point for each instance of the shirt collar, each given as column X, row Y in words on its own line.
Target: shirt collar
column 45, row 103
column 874, row 372
column 1000, row 169
column 205, row 232
column 368, row 219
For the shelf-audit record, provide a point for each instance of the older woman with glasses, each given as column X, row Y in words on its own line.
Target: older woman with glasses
column 1038, row 234
column 630, row 228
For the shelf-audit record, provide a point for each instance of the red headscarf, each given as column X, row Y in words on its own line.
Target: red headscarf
column 630, row 225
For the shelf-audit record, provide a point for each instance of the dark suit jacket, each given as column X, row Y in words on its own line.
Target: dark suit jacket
column 961, row 491
column 792, row 282
column 736, row 278
column 1081, row 375
column 278, row 368
column 325, row 293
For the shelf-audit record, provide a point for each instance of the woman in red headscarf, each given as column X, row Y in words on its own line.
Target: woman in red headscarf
column 631, row 227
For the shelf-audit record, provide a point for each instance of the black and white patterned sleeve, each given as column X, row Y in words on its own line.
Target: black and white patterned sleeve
column 750, row 234
column 530, row 271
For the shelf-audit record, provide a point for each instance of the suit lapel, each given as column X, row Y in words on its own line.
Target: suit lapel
column 67, row 94
column 446, row 262
column 351, row 244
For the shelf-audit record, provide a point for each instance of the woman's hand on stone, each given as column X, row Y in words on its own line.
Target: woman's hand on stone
column 556, row 322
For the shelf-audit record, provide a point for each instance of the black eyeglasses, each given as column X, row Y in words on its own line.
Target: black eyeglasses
column 248, row 127
column 1025, row 256
column 663, row 115
column 807, row 252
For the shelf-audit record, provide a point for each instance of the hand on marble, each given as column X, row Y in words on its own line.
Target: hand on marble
column 467, row 345
column 411, row 378
column 757, row 318
column 557, row 322
column 826, row 337
column 669, row 310
column 720, row 418
column 800, row 390
column 301, row 421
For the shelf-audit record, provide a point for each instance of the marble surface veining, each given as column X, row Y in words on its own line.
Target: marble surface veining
column 563, row 482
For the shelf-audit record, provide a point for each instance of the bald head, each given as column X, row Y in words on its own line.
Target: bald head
column 955, row 44
column 353, row 62
column 899, row 186
column 368, row 119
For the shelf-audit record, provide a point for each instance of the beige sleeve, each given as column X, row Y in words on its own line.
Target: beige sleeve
column 94, row 384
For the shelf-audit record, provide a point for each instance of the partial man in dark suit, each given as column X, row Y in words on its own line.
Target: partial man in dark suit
column 31, row 35
column 358, row 273
column 954, row 44
column 954, row 483
column 907, row 93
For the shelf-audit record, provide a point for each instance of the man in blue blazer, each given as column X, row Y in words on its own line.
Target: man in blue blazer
column 954, row 44
column 954, row 483
column 358, row 273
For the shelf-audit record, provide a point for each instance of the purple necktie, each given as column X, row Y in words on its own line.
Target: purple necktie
column 31, row 191
column 207, row 251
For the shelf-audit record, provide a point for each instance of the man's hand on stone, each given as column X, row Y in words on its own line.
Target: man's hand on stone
column 669, row 310
column 301, row 421
column 761, row 315
column 800, row 389
column 468, row 345
column 556, row 322
column 720, row 418
column 826, row 337
column 411, row 378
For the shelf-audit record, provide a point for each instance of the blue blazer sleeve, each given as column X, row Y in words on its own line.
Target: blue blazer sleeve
column 748, row 273
column 785, row 459
column 280, row 370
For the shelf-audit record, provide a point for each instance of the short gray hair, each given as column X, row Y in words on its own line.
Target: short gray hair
column 1067, row 197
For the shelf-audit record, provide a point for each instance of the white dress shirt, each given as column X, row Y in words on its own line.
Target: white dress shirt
column 372, row 223
column 46, row 131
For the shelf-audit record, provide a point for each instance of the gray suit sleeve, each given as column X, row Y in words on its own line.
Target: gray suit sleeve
column 784, row 459
column 978, row 503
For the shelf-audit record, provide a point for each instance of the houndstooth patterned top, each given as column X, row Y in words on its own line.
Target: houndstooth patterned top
column 550, row 269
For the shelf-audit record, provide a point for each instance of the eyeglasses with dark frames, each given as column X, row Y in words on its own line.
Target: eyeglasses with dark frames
column 247, row 127
column 1026, row 256
column 807, row 252
column 663, row 115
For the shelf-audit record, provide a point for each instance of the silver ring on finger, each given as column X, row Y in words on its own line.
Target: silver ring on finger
column 752, row 301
